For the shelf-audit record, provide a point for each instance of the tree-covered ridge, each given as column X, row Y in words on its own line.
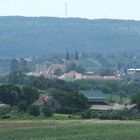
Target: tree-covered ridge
column 26, row 36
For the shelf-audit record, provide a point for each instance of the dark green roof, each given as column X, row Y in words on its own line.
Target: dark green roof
column 94, row 94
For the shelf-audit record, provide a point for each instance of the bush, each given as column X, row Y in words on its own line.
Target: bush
column 108, row 115
column 136, row 99
column 4, row 112
column 22, row 106
column 47, row 111
column 34, row 110
column 114, row 115
column 86, row 114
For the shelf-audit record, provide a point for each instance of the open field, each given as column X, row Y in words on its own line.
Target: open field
column 69, row 130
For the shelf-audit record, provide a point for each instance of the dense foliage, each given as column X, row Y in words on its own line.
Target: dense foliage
column 136, row 100
column 33, row 36
column 111, row 87
column 47, row 111
column 110, row 115
column 12, row 94
column 34, row 110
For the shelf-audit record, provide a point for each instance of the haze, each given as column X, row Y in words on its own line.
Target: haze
column 92, row 9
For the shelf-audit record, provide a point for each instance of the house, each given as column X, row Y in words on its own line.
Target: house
column 90, row 76
column 133, row 74
column 115, row 106
column 49, row 101
column 35, row 74
column 95, row 97
column 71, row 76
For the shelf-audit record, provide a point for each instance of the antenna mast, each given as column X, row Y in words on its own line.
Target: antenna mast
column 66, row 10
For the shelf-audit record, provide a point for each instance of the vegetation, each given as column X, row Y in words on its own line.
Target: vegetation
column 66, row 93
column 85, row 33
column 68, row 130
column 34, row 110
column 136, row 100
column 121, row 88
column 47, row 111
column 110, row 115
column 12, row 94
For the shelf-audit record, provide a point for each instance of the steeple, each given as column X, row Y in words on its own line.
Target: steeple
column 67, row 56
column 76, row 56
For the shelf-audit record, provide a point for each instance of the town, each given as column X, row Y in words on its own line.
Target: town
column 69, row 70
column 101, row 93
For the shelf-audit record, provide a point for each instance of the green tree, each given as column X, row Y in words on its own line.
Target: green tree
column 34, row 110
column 23, row 106
column 10, row 94
column 47, row 111
column 29, row 94
column 136, row 99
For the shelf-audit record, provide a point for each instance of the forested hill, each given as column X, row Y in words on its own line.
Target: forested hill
column 31, row 36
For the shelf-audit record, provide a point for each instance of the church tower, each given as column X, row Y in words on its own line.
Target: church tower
column 76, row 56
column 67, row 57
column 76, row 59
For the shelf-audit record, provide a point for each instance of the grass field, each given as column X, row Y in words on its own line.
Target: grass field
column 69, row 130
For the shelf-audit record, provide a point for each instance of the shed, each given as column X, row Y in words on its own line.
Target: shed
column 95, row 96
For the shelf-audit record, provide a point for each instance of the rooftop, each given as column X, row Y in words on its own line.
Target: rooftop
column 94, row 94
column 43, row 100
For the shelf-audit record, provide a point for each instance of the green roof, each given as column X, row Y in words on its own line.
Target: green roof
column 94, row 94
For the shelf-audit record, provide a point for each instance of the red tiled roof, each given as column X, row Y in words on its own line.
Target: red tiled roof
column 43, row 100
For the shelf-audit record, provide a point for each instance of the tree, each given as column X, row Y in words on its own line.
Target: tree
column 136, row 99
column 71, row 102
column 16, row 78
column 105, row 72
column 29, row 94
column 58, row 72
column 75, row 67
column 10, row 94
column 34, row 110
column 22, row 106
column 47, row 111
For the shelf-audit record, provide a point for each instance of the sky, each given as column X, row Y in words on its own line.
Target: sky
column 92, row 9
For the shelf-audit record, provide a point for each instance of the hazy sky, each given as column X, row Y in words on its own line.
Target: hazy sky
column 117, row 9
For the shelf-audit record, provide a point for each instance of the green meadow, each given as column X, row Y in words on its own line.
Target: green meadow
column 69, row 130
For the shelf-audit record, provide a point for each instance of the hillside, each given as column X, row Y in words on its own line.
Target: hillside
column 35, row 36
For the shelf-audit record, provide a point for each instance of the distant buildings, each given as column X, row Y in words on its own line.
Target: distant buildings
column 20, row 64
column 41, row 68
column 133, row 71
column 133, row 74
column 71, row 76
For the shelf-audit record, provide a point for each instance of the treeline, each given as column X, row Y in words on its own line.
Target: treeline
column 42, row 83
column 13, row 95
column 111, row 87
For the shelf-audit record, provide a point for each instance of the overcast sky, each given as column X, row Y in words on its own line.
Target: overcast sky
column 116, row 9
